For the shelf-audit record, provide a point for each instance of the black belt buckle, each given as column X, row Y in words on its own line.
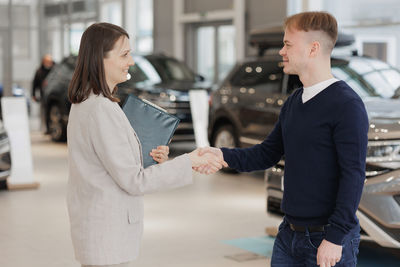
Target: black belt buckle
column 311, row 229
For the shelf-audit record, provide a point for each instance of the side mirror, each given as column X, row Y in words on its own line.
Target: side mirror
column 396, row 94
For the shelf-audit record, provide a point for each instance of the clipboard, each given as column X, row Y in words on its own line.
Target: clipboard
column 153, row 125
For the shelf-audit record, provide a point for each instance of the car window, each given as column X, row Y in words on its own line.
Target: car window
column 360, row 66
column 393, row 78
column 142, row 71
column 380, row 83
column 137, row 74
column 362, row 90
column 265, row 76
column 172, row 70
column 380, row 78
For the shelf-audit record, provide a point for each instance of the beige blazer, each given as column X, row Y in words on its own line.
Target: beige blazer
column 107, row 181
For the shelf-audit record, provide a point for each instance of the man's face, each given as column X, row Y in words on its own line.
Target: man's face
column 47, row 61
column 295, row 51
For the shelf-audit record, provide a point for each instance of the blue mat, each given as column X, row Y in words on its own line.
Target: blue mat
column 370, row 255
column 258, row 245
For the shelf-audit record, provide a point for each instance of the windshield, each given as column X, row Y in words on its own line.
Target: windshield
column 369, row 77
column 172, row 70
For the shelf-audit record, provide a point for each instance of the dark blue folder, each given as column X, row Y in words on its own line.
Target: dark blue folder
column 153, row 125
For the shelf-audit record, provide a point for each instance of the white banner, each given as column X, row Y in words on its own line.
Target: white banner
column 15, row 118
column 199, row 109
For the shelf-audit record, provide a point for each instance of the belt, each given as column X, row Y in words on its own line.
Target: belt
column 314, row 228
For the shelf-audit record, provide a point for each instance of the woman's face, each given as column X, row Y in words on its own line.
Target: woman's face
column 117, row 63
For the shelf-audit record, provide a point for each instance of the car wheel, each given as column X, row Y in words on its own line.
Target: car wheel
column 57, row 128
column 3, row 185
column 225, row 136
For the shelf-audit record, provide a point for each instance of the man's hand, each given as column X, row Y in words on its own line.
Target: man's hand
column 212, row 150
column 206, row 162
column 328, row 254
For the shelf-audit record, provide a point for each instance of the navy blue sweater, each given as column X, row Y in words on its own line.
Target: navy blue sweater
column 324, row 142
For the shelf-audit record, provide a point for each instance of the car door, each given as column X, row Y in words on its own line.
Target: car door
column 258, row 86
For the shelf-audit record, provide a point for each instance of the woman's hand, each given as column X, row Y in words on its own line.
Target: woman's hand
column 160, row 154
column 207, row 162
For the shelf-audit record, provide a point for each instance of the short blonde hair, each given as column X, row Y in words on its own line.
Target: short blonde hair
column 315, row 21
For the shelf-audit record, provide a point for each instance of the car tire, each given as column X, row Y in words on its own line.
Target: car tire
column 57, row 127
column 3, row 185
column 225, row 136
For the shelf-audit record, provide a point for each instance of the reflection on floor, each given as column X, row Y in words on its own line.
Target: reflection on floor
column 371, row 255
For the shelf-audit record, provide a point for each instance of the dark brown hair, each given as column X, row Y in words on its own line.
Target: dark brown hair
column 89, row 72
column 315, row 21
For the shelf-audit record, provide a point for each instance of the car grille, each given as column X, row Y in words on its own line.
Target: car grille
column 274, row 205
column 181, row 109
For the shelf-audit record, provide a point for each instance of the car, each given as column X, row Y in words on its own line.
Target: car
column 160, row 79
column 5, row 157
column 246, row 106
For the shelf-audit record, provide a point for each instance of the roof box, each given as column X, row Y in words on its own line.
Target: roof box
column 272, row 37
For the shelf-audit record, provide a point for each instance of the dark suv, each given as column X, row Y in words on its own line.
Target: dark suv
column 247, row 104
column 160, row 79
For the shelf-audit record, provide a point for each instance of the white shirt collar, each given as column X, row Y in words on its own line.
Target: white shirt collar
column 310, row 92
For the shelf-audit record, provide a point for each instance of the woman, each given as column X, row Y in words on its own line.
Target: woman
column 106, row 175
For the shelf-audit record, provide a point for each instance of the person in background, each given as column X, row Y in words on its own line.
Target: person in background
column 322, row 131
column 40, row 75
column 107, row 179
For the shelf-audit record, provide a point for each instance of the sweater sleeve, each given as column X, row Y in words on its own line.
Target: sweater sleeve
column 258, row 157
column 351, row 138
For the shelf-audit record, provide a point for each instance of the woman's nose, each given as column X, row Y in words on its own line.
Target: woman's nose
column 131, row 61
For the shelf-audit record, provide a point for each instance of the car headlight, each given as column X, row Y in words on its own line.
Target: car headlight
column 381, row 151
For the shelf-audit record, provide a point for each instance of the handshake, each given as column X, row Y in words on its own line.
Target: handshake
column 207, row 160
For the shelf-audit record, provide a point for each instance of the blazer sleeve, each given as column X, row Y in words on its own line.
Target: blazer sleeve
column 111, row 143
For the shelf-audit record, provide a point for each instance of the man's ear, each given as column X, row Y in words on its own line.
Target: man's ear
column 315, row 48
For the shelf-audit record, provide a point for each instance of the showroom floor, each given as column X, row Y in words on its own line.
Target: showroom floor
column 184, row 227
column 220, row 220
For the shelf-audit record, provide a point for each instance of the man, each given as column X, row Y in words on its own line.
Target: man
column 40, row 75
column 322, row 132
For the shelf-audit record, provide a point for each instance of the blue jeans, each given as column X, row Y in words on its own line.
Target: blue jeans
column 300, row 249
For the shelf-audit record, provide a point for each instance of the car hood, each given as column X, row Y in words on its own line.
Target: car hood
column 384, row 118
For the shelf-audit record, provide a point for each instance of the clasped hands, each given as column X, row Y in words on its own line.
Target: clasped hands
column 206, row 160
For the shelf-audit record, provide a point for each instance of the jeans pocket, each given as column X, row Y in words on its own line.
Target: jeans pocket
column 282, row 225
column 315, row 239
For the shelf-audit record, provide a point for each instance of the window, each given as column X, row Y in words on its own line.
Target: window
column 144, row 26
column 112, row 12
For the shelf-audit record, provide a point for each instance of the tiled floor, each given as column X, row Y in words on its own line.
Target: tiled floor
column 184, row 227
